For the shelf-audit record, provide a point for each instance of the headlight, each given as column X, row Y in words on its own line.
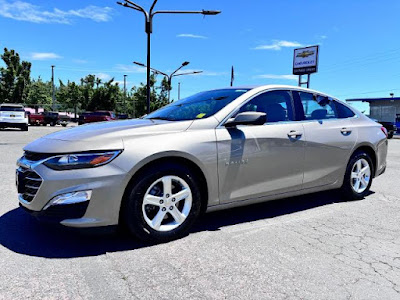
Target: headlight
column 81, row 160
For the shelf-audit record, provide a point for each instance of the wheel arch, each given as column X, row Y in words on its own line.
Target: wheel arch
column 369, row 149
column 170, row 157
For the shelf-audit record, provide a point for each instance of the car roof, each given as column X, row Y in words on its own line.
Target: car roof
column 276, row 86
column 11, row 104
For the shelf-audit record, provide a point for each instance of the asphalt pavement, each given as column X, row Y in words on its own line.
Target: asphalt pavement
column 311, row 247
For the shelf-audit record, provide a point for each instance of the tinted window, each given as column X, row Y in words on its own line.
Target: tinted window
column 316, row 111
column 343, row 111
column 276, row 104
column 11, row 108
column 201, row 105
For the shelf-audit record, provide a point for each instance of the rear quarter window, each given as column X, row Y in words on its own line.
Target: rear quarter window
column 343, row 111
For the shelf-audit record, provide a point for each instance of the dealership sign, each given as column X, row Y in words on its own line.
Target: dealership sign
column 305, row 60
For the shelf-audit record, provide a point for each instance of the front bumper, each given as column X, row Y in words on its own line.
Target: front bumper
column 59, row 213
column 13, row 124
column 107, row 184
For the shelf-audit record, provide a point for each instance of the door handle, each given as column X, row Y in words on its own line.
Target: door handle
column 345, row 131
column 294, row 134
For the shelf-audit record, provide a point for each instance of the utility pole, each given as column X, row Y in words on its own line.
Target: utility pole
column 179, row 91
column 148, row 15
column 125, row 93
column 53, row 92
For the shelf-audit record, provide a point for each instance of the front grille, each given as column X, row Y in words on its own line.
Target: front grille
column 34, row 156
column 28, row 183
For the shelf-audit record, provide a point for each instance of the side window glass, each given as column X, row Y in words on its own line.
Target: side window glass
column 276, row 104
column 317, row 111
column 343, row 111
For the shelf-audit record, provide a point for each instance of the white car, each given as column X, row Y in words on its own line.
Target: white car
column 13, row 116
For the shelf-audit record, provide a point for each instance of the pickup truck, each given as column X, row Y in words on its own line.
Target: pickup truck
column 96, row 116
column 44, row 118
column 391, row 127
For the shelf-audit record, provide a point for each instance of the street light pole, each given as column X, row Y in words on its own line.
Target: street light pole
column 53, row 93
column 179, row 91
column 149, row 29
column 125, row 93
column 169, row 76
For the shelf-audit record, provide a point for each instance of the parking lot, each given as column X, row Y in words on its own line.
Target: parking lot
column 311, row 247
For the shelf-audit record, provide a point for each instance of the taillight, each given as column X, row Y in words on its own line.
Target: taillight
column 384, row 131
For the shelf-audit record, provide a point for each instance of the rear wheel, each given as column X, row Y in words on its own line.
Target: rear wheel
column 163, row 204
column 358, row 177
column 390, row 135
column 24, row 128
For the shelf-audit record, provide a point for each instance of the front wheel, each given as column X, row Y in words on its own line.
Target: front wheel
column 358, row 177
column 163, row 204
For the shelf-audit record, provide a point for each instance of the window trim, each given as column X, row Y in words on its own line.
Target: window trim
column 300, row 109
column 237, row 108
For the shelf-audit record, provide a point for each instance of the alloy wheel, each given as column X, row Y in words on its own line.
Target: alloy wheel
column 360, row 175
column 167, row 203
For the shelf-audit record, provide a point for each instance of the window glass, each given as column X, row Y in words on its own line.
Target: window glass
column 276, row 104
column 315, row 111
column 11, row 108
column 343, row 111
column 198, row 106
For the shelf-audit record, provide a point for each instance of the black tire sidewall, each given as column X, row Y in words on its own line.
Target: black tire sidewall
column 347, row 188
column 132, row 208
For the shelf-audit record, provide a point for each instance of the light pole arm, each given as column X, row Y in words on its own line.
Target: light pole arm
column 188, row 73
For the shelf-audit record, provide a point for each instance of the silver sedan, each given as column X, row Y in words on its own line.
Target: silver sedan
column 215, row 150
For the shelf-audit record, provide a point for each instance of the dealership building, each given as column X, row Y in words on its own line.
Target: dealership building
column 382, row 109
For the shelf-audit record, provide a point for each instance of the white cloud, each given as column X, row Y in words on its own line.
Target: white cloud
column 104, row 76
column 323, row 37
column 279, row 77
column 278, row 45
column 25, row 11
column 190, row 35
column 130, row 68
column 44, row 56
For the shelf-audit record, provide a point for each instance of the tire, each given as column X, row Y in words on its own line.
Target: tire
column 349, row 187
column 52, row 123
column 137, row 217
column 25, row 128
column 64, row 125
column 390, row 135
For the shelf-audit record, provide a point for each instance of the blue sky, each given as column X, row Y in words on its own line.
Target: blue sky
column 359, row 45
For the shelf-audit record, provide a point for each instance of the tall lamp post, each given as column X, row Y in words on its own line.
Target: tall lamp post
column 169, row 76
column 149, row 29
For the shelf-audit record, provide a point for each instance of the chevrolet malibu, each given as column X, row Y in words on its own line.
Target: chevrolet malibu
column 215, row 150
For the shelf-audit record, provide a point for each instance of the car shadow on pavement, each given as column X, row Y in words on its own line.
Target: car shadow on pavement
column 21, row 233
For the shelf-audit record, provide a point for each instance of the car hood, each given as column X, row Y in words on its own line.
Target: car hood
column 103, row 136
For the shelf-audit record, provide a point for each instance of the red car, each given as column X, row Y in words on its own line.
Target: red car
column 96, row 116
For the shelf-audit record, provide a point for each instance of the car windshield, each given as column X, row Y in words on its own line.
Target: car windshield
column 11, row 108
column 198, row 106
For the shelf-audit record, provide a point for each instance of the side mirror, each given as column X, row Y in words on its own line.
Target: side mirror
column 247, row 118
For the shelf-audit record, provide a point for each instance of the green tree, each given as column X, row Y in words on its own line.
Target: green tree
column 70, row 96
column 39, row 94
column 14, row 78
column 157, row 100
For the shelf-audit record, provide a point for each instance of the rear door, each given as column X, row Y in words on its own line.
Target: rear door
column 330, row 137
column 256, row 161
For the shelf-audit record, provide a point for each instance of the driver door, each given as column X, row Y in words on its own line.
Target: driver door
column 263, row 160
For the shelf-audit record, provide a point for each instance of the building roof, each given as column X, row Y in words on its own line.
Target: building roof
column 374, row 99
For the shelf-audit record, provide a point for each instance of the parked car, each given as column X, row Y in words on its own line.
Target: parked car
column 214, row 150
column 63, row 120
column 44, row 118
column 13, row 116
column 96, row 116
column 390, row 127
